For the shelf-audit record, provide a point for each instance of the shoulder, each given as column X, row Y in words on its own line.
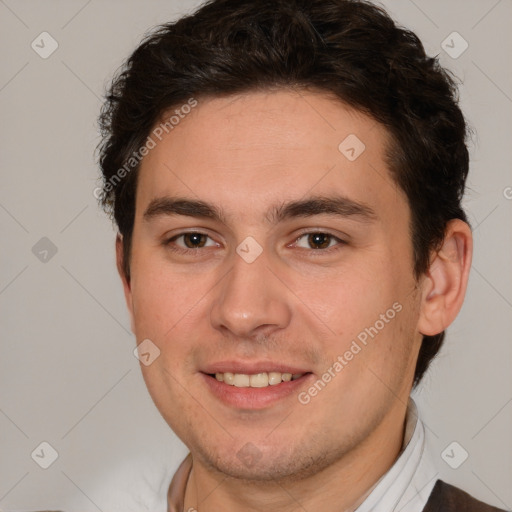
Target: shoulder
column 448, row 498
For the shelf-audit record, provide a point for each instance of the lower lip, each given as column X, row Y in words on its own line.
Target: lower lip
column 254, row 398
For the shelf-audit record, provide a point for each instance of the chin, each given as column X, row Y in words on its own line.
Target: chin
column 271, row 463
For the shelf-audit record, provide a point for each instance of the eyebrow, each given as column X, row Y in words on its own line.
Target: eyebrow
column 338, row 206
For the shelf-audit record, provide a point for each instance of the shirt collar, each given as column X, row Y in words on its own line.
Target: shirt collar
column 407, row 483
column 176, row 493
column 411, row 478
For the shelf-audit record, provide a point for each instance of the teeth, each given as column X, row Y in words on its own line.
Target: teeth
column 274, row 378
column 260, row 380
column 257, row 380
column 229, row 378
column 240, row 380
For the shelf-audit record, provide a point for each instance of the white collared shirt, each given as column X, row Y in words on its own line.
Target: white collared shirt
column 408, row 483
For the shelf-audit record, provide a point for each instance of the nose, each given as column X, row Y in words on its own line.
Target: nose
column 251, row 300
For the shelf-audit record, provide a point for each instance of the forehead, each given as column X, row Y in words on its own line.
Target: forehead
column 247, row 151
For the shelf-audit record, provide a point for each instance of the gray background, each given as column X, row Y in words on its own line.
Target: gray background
column 68, row 375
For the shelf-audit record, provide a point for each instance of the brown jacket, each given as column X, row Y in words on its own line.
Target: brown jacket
column 447, row 498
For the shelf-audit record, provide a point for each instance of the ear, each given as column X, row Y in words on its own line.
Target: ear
column 444, row 284
column 124, row 278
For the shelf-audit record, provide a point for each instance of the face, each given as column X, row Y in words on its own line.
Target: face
column 266, row 242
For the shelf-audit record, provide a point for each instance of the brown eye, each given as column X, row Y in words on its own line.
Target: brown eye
column 194, row 240
column 319, row 240
column 190, row 242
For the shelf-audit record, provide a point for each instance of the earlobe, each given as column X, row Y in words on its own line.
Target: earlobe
column 444, row 284
column 124, row 278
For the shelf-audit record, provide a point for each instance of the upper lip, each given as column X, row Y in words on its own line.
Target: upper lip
column 252, row 367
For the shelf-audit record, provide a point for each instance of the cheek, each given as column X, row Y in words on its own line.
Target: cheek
column 371, row 312
column 351, row 300
column 161, row 299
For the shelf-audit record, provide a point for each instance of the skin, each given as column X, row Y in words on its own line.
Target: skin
column 295, row 303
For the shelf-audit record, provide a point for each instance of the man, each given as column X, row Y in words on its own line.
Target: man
column 286, row 177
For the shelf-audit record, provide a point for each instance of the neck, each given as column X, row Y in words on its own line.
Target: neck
column 342, row 486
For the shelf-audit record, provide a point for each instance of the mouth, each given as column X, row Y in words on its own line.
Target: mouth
column 255, row 380
column 253, row 386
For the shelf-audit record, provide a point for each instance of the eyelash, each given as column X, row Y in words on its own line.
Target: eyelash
column 314, row 252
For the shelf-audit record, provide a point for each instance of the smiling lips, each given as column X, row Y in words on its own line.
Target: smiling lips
column 254, row 385
column 256, row 380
